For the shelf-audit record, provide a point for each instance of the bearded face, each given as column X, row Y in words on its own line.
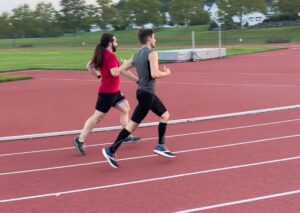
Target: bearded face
column 114, row 48
column 114, row 44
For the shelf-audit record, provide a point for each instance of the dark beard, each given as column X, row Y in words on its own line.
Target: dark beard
column 114, row 49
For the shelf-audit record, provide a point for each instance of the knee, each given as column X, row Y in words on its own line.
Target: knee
column 97, row 119
column 165, row 117
column 127, row 108
column 124, row 107
column 98, row 116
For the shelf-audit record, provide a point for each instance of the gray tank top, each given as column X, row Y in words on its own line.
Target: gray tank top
column 142, row 65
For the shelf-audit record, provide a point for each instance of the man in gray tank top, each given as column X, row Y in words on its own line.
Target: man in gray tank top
column 146, row 64
column 141, row 63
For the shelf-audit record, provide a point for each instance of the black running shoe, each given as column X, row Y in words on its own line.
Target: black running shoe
column 162, row 150
column 131, row 139
column 110, row 158
column 79, row 146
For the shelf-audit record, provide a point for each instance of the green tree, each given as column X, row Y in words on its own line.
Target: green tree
column 45, row 20
column 6, row 27
column 210, row 1
column 143, row 12
column 288, row 6
column 73, row 15
column 23, row 21
column 165, row 5
column 201, row 17
column 187, row 12
column 165, row 9
column 121, row 4
column 119, row 20
column 93, row 15
column 107, row 13
column 230, row 8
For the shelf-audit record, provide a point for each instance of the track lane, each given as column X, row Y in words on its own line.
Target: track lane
column 177, row 193
column 179, row 137
column 144, row 168
column 214, row 94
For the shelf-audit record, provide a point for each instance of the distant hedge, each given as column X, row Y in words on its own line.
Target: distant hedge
column 282, row 17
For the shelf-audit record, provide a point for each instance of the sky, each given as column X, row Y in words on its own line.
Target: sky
column 8, row 5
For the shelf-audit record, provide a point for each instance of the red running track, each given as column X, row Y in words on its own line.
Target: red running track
column 63, row 100
column 242, row 164
column 219, row 161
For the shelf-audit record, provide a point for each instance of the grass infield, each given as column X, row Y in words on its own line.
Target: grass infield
column 175, row 37
column 76, row 59
column 13, row 78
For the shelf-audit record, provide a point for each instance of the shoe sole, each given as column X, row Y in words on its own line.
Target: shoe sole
column 131, row 141
column 164, row 154
column 126, row 142
column 77, row 148
column 108, row 159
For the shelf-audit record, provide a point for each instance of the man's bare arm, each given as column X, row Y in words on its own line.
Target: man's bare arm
column 124, row 69
column 154, row 68
column 91, row 68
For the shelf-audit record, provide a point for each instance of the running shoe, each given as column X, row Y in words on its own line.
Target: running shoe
column 79, row 146
column 162, row 150
column 110, row 158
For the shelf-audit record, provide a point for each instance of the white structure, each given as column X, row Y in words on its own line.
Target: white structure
column 148, row 26
column 250, row 19
column 191, row 54
column 95, row 28
column 212, row 9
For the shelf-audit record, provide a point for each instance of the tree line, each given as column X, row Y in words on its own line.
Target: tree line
column 240, row 8
column 78, row 16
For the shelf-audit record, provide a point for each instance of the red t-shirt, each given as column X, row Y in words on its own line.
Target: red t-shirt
column 109, row 83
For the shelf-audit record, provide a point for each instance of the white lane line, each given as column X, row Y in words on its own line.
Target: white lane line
column 196, row 73
column 67, row 79
column 249, row 200
column 248, row 74
column 153, row 138
column 148, row 156
column 178, row 121
column 188, row 83
column 221, row 169
column 234, row 85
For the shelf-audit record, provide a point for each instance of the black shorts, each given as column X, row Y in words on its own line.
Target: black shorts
column 147, row 102
column 107, row 100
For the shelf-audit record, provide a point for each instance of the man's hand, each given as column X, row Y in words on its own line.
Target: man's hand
column 122, row 60
column 91, row 68
column 167, row 70
column 115, row 71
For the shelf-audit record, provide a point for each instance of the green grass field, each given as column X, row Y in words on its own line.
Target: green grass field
column 175, row 37
column 14, row 78
column 13, row 60
column 22, row 59
column 67, row 52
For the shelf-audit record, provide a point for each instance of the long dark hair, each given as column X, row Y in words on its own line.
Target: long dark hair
column 100, row 48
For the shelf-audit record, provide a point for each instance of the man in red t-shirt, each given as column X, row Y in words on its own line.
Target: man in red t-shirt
column 104, row 65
